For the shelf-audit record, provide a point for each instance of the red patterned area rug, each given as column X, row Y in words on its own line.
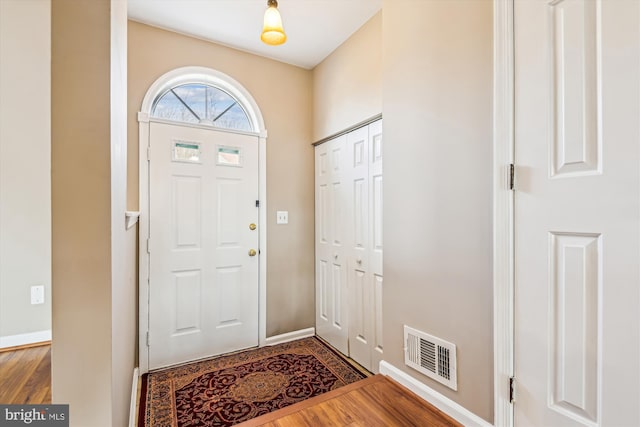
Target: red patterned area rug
column 231, row 389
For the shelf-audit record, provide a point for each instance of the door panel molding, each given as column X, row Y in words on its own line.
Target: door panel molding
column 574, row 352
column 577, row 145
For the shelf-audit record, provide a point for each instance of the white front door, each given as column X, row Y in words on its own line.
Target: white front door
column 203, row 285
column 577, row 212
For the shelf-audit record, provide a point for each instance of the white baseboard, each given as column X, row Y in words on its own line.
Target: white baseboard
column 134, row 398
column 24, row 339
column 446, row 405
column 290, row 336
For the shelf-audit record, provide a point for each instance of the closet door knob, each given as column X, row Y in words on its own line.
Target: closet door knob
column 252, row 252
column 359, row 261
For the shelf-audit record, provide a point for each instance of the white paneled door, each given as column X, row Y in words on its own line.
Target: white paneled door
column 375, row 244
column 577, row 212
column 203, row 243
column 331, row 209
column 364, row 260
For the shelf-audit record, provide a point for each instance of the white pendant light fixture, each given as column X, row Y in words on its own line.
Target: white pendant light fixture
column 272, row 32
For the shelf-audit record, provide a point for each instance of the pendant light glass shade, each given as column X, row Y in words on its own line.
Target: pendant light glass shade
column 272, row 32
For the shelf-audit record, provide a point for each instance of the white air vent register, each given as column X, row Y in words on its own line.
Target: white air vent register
column 431, row 356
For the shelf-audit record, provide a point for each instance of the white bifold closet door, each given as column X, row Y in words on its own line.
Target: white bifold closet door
column 349, row 244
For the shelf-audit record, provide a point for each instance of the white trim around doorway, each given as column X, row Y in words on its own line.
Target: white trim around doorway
column 503, row 210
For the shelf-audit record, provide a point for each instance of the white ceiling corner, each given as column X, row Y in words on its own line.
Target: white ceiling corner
column 314, row 28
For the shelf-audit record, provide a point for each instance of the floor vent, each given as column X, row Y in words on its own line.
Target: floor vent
column 432, row 356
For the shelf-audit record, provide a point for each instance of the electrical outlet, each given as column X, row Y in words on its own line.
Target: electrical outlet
column 282, row 217
column 37, row 294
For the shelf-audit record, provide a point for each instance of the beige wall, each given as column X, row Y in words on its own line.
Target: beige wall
column 432, row 79
column 283, row 93
column 437, row 101
column 93, row 257
column 347, row 85
column 81, row 210
column 25, row 167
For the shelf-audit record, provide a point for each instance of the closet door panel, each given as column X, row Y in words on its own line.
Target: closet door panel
column 375, row 197
column 360, row 295
column 331, row 283
column 375, row 240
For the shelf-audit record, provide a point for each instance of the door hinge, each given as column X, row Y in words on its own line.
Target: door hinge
column 257, row 203
column 512, row 177
column 148, row 153
column 512, row 390
column 147, row 338
column 148, row 246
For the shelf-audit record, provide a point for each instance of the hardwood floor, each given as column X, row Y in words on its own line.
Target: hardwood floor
column 377, row 401
column 25, row 375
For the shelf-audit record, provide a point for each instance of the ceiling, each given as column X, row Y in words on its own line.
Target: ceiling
column 314, row 28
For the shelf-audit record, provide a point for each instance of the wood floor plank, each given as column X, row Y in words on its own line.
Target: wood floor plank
column 14, row 373
column 37, row 388
column 406, row 406
column 260, row 421
column 377, row 401
column 25, row 375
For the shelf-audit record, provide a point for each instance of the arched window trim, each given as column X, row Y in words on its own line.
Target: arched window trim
column 203, row 75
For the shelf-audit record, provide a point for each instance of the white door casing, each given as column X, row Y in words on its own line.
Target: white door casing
column 203, row 298
column 577, row 212
column 161, row 85
column 503, row 268
column 331, row 283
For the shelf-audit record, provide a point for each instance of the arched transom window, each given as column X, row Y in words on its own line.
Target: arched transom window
column 201, row 103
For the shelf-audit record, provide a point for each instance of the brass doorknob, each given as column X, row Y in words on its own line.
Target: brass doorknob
column 252, row 252
column 252, row 226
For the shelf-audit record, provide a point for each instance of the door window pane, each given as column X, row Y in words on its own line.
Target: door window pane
column 229, row 156
column 186, row 151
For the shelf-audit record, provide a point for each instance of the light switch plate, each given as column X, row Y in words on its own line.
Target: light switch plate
column 282, row 217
